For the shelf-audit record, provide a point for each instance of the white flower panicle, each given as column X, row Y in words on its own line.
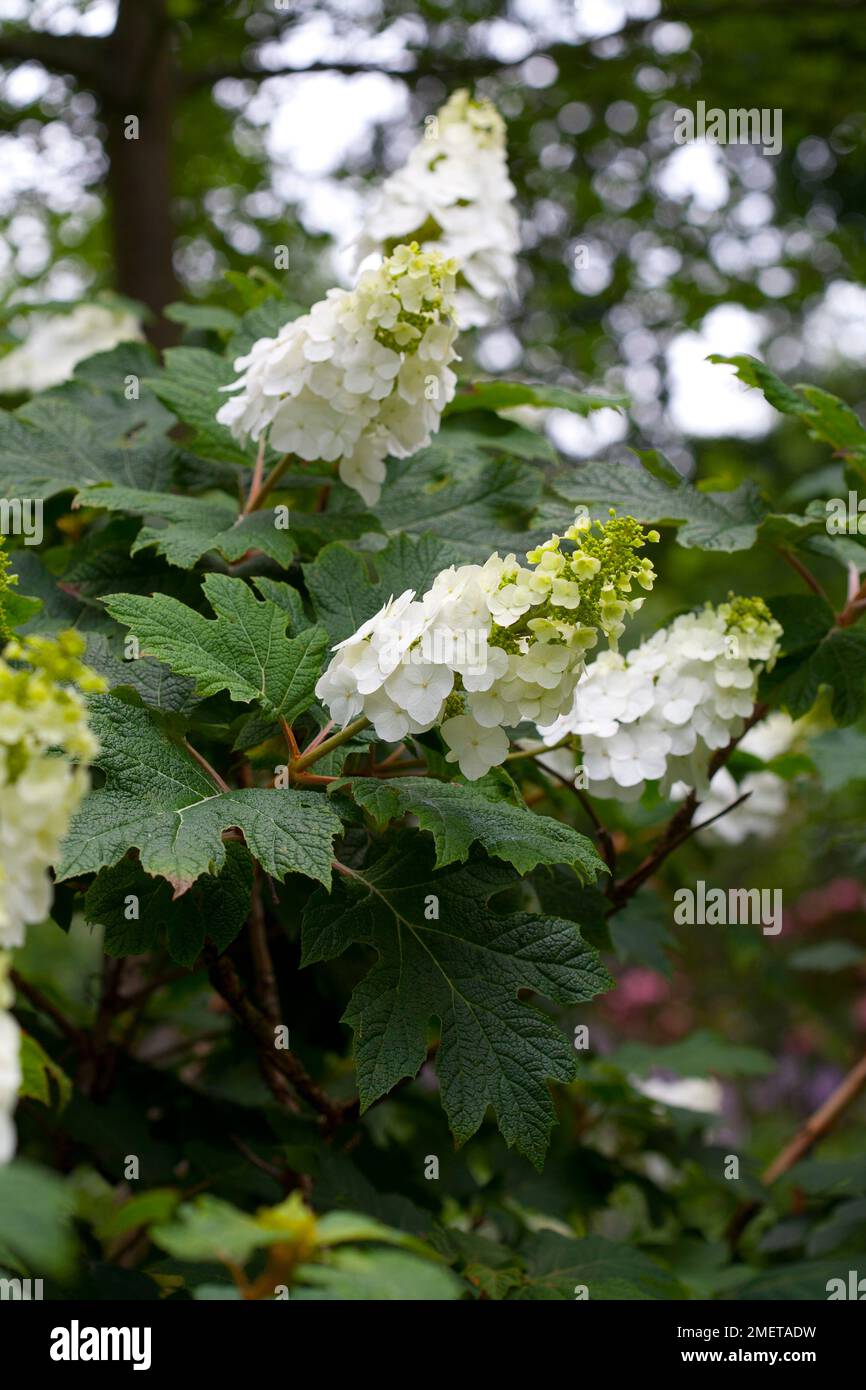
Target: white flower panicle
column 364, row 375
column 10, row 1064
column 58, row 342
column 454, row 195
column 490, row 645
column 43, row 727
column 659, row 712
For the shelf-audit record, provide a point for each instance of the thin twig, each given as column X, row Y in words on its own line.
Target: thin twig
column 268, row 994
column 678, row 827
column 289, row 736
column 603, row 835
column 206, row 767
column 312, row 755
column 853, row 608
column 323, row 733
column 808, row 1135
column 258, row 471
column 535, row 750
column 804, row 572
column 257, row 497
column 227, row 983
column 818, row 1123
column 44, row 1005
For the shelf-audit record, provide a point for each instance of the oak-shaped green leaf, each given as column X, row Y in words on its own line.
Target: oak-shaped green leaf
column 445, row 952
column 157, row 799
column 466, row 496
column 189, row 527
column 244, row 649
column 459, row 815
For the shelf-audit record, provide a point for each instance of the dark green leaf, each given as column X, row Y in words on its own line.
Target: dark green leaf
column 444, row 952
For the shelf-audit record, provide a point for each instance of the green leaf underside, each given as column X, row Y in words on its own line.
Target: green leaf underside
column 723, row 521
column 215, row 906
column 827, row 418
column 244, row 649
column 502, row 395
column 458, row 815
column 158, row 800
column 194, row 526
column 465, row 968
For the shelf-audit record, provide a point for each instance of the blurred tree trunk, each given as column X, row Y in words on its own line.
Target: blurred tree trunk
column 138, row 101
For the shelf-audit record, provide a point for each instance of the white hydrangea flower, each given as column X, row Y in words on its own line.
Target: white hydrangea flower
column 363, row 376
column 490, row 645
column 10, row 1064
column 475, row 748
column 659, row 712
column 454, row 195
column 39, row 715
column 760, row 816
column 56, row 343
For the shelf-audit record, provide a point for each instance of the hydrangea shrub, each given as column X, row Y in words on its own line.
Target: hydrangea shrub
column 351, row 740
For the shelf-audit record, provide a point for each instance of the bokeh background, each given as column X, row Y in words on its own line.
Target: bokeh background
column 262, row 123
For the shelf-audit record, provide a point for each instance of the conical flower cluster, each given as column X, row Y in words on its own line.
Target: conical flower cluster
column 454, row 195
column 363, row 376
column 488, row 646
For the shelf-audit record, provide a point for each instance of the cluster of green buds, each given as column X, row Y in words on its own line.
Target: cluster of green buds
column 572, row 594
column 407, row 297
column 749, row 622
